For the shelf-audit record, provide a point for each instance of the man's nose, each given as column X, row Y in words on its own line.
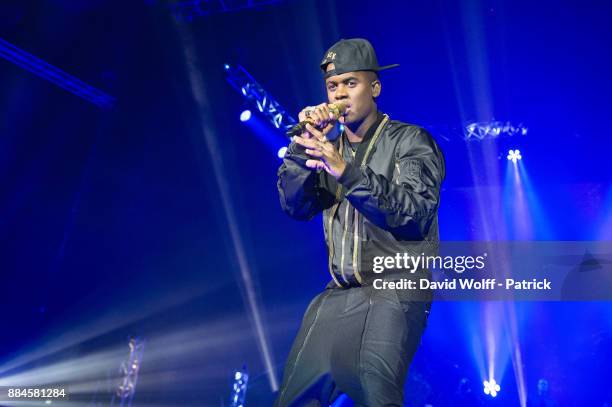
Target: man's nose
column 341, row 93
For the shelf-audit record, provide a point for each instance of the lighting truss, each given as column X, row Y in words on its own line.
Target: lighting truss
column 55, row 75
column 494, row 129
column 258, row 97
column 190, row 9
column 129, row 374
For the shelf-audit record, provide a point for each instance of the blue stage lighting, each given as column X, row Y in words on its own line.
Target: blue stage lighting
column 494, row 129
column 226, row 66
column 491, row 388
column 514, row 156
column 281, row 152
column 245, row 115
column 239, row 388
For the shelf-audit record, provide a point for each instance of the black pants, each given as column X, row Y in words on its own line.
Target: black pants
column 357, row 341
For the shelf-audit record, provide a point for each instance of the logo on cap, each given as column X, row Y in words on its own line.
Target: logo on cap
column 356, row 54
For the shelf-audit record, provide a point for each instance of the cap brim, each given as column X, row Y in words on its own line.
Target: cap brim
column 382, row 68
column 345, row 69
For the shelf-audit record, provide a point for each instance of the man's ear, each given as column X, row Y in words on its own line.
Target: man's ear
column 376, row 87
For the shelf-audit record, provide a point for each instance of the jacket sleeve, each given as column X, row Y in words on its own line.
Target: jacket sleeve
column 408, row 206
column 301, row 190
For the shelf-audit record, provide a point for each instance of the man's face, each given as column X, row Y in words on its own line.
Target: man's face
column 357, row 90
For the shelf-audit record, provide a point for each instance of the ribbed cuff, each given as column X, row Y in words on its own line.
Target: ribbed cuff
column 297, row 154
column 297, row 149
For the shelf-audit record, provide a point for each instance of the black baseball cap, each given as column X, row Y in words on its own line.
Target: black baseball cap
column 355, row 54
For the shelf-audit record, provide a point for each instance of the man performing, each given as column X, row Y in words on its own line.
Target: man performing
column 378, row 186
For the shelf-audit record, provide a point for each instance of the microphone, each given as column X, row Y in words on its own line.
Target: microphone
column 337, row 110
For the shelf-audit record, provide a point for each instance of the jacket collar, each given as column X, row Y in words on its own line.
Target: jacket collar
column 363, row 145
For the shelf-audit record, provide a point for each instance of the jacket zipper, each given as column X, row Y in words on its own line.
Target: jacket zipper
column 399, row 173
column 344, row 233
column 356, row 246
column 332, row 214
column 330, row 243
column 330, row 235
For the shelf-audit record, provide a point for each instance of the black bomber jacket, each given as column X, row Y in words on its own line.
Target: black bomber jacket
column 384, row 204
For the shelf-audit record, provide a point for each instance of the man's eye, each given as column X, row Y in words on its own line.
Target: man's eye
column 352, row 84
column 331, row 87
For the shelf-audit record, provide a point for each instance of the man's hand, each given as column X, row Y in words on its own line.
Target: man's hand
column 320, row 116
column 317, row 145
column 315, row 141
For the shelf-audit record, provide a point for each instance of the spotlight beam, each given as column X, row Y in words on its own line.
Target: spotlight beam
column 76, row 332
column 248, row 286
column 83, row 374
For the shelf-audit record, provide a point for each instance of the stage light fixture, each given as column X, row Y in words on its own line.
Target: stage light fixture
column 491, row 388
column 239, row 388
column 245, row 115
column 494, row 129
column 514, row 156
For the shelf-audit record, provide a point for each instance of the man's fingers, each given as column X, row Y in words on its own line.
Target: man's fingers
column 321, row 114
column 321, row 134
column 314, row 153
column 320, row 141
column 306, row 113
column 315, row 164
column 327, row 129
column 308, row 143
column 315, row 132
column 312, row 163
column 324, row 113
